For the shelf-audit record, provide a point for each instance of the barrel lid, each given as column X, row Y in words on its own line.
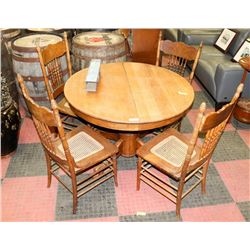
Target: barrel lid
column 9, row 33
column 98, row 39
column 32, row 41
column 39, row 29
column 44, row 29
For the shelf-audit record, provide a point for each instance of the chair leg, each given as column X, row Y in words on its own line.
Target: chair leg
column 179, row 197
column 204, row 177
column 74, row 191
column 139, row 163
column 114, row 160
column 74, row 203
column 48, row 169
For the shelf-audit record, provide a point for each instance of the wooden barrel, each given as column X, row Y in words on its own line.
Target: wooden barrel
column 26, row 63
column 9, row 35
column 109, row 47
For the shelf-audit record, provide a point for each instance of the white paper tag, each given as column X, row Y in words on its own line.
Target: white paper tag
column 182, row 93
column 134, row 119
column 140, row 213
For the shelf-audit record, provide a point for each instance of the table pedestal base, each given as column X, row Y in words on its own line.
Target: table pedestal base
column 129, row 144
column 128, row 141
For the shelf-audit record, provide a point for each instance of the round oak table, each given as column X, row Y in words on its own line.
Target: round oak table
column 130, row 98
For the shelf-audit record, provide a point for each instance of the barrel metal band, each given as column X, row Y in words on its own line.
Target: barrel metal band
column 25, row 59
column 40, row 98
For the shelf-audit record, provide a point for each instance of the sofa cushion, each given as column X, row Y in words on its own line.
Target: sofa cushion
column 211, row 51
column 242, row 35
column 207, row 67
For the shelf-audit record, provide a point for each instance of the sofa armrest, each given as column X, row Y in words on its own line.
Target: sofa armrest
column 227, row 78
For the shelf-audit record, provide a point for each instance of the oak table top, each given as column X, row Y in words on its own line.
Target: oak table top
column 130, row 97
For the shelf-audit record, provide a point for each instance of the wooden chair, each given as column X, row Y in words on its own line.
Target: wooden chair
column 145, row 45
column 175, row 56
column 181, row 159
column 75, row 152
column 55, row 74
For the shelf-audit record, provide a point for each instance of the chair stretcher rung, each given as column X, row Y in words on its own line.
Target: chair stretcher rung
column 64, row 170
column 190, row 189
column 145, row 165
column 94, row 173
column 93, row 186
column 53, row 164
column 159, row 183
column 157, row 188
column 64, row 121
column 83, row 184
column 68, row 123
column 193, row 173
column 158, row 178
column 198, row 176
column 62, row 183
column 55, row 169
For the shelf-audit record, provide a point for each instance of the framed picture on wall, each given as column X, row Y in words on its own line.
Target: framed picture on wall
column 243, row 51
column 225, row 39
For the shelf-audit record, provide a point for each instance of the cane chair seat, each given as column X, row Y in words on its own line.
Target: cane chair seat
column 86, row 146
column 172, row 150
column 168, row 150
column 81, row 146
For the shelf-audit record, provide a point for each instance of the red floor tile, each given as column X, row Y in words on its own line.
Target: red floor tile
column 28, row 199
column 245, row 135
column 129, row 201
column 28, row 132
column 4, row 165
column 225, row 212
column 236, row 177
